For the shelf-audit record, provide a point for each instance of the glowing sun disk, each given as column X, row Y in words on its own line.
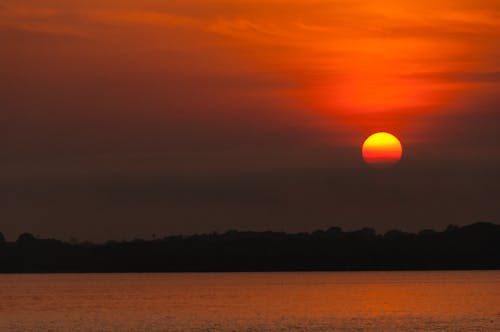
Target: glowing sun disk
column 382, row 149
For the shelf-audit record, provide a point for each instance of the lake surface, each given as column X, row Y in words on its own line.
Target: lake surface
column 309, row 301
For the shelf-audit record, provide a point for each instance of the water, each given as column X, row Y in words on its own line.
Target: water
column 324, row 301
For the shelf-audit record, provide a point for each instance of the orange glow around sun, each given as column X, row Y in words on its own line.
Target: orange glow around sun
column 382, row 149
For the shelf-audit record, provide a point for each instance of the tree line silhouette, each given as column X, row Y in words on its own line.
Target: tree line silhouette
column 475, row 246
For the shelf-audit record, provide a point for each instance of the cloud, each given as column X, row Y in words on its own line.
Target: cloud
column 136, row 17
column 470, row 77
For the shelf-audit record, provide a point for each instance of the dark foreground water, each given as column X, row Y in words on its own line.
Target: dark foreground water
column 323, row 301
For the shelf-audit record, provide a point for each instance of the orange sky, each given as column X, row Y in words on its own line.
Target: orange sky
column 370, row 65
column 187, row 86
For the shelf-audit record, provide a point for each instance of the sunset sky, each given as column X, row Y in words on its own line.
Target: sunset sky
column 120, row 119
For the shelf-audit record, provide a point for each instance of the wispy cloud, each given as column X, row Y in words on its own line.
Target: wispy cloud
column 473, row 77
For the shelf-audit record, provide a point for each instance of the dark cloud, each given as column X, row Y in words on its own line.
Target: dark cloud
column 300, row 200
column 466, row 129
column 474, row 77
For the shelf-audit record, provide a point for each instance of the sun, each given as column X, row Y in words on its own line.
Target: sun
column 382, row 149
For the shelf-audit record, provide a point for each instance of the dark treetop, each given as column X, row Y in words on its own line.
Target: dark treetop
column 475, row 246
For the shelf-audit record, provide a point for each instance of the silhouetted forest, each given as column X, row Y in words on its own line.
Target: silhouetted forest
column 475, row 246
